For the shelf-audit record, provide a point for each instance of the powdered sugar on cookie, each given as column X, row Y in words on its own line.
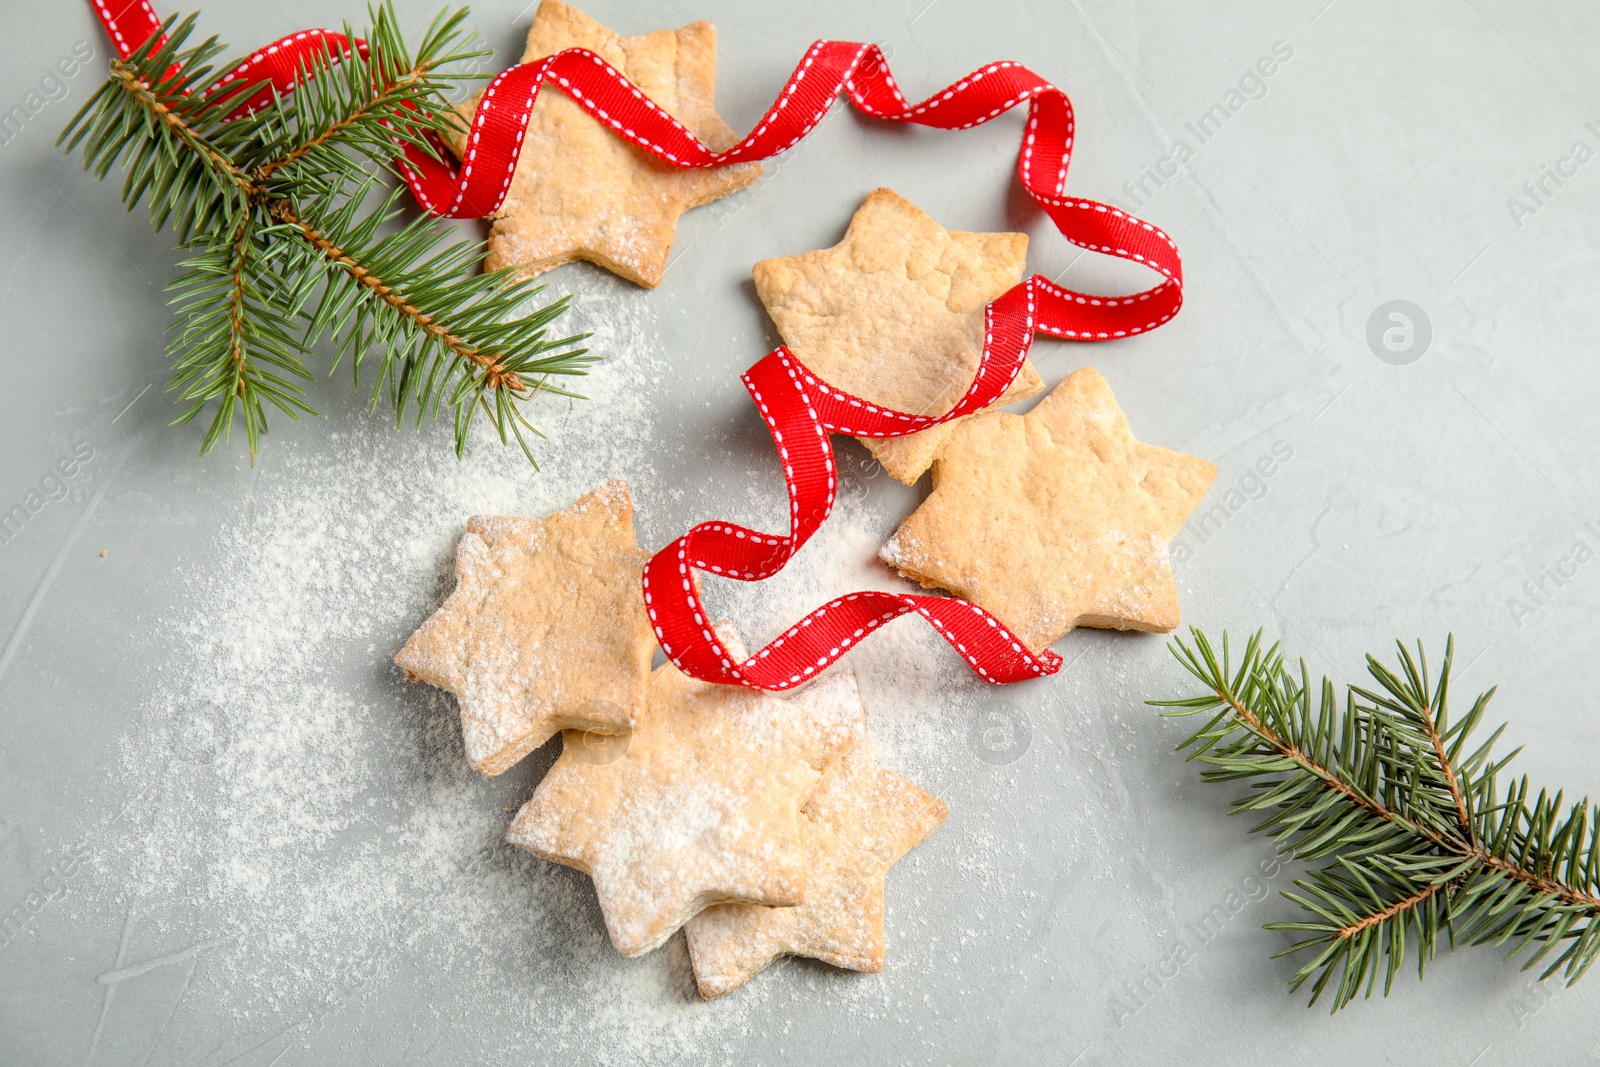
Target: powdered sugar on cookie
column 701, row 808
column 861, row 819
column 1055, row 519
column 546, row 630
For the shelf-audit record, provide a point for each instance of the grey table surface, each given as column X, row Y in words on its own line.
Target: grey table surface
column 234, row 834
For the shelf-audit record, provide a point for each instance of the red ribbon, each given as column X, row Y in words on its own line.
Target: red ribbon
column 799, row 409
column 277, row 68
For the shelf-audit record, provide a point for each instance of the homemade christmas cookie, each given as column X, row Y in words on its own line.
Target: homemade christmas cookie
column 894, row 314
column 582, row 192
column 861, row 819
column 1055, row 519
column 701, row 807
column 546, row 629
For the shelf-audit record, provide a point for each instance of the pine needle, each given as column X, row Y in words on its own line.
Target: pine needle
column 1417, row 840
column 295, row 230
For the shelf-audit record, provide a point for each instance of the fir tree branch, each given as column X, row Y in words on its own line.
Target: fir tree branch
column 366, row 103
column 1399, row 907
column 127, row 78
column 1351, row 792
column 495, row 372
column 236, row 306
column 1417, row 837
column 291, row 240
column 383, row 105
column 1456, row 795
column 229, row 335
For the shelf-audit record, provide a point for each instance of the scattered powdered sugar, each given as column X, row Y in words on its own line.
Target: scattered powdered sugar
column 545, row 630
column 905, row 669
column 701, row 807
column 311, row 817
column 297, row 800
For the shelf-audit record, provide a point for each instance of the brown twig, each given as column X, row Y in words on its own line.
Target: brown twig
column 1347, row 932
column 1541, row 884
column 128, row 77
column 1466, row 849
column 1449, row 775
column 266, row 170
column 495, row 373
column 236, row 307
column 1322, row 774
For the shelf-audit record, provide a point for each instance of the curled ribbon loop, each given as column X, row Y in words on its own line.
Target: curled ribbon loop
column 800, row 410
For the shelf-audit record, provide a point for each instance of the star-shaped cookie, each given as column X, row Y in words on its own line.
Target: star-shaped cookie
column 894, row 315
column 1055, row 519
column 700, row 807
column 580, row 191
column 546, row 629
column 861, row 819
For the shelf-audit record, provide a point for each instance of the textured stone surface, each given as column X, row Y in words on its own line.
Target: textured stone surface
column 1087, row 899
